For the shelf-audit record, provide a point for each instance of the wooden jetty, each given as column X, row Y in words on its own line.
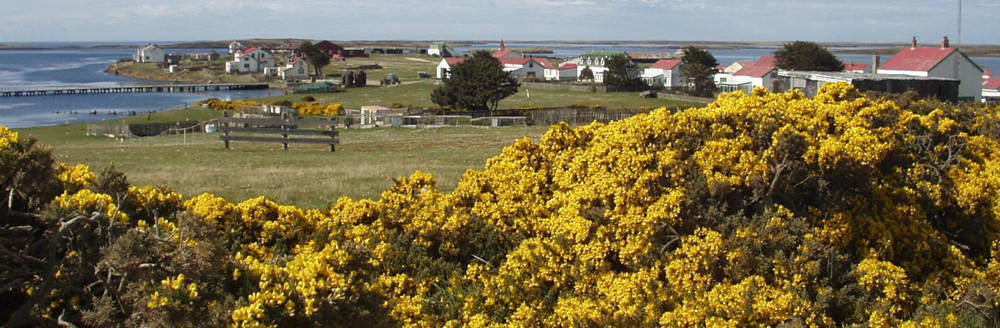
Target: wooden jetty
column 147, row 88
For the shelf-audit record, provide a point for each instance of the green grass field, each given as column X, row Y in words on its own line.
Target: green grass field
column 363, row 166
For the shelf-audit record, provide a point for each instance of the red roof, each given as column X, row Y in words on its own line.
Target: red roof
column 720, row 68
column 294, row 60
column 568, row 66
column 993, row 84
column 756, row 70
column 543, row 61
column 245, row 52
column 666, row 63
column 988, row 73
column 501, row 53
column 855, row 67
column 454, row 60
column 767, row 60
column 920, row 59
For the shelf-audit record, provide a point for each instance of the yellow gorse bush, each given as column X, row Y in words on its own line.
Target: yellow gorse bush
column 7, row 137
column 756, row 210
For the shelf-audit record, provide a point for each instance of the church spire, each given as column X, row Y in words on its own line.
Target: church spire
column 502, row 47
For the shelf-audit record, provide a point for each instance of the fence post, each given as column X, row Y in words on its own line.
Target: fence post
column 225, row 133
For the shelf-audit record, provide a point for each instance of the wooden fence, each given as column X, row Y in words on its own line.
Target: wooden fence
column 268, row 129
column 578, row 116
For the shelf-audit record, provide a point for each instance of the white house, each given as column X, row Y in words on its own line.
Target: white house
column 235, row 47
column 761, row 74
column 150, row 54
column 943, row 62
column 441, row 49
column 991, row 89
column 566, row 72
column 251, row 60
column 665, row 72
column 297, row 69
column 527, row 67
column 444, row 68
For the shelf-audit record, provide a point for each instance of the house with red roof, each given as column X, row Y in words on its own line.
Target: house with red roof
column 665, row 72
column 526, row 67
column 941, row 62
column 444, row 67
column 991, row 89
column 856, row 68
column 566, row 72
column 251, row 60
column 762, row 73
column 296, row 69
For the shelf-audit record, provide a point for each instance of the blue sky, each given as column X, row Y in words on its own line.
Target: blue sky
column 712, row 20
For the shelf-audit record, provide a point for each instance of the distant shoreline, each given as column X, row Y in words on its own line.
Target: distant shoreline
column 860, row 48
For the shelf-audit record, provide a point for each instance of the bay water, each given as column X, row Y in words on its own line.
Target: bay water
column 41, row 69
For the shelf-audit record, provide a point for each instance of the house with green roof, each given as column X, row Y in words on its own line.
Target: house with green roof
column 595, row 60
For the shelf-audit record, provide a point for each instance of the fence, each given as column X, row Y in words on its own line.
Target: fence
column 560, row 86
column 578, row 116
column 252, row 129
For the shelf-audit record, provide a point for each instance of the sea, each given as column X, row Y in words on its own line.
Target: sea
column 41, row 69
column 53, row 68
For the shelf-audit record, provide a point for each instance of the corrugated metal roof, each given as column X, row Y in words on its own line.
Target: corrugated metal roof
column 919, row 59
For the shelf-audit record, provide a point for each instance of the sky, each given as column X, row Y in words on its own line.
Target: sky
column 346, row 20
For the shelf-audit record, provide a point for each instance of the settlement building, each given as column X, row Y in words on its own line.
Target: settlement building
column 250, row 61
column 941, row 62
column 809, row 82
column 297, row 69
column 762, row 73
column 441, row 49
column 150, row 54
column 991, row 89
column 665, row 72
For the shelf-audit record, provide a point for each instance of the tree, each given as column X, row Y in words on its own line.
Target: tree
column 586, row 74
column 478, row 83
column 699, row 70
column 315, row 56
column 807, row 56
column 621, row 75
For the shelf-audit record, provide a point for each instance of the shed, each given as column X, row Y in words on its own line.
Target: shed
column 809, row 83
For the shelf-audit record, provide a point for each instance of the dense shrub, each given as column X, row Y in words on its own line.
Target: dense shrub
column 756, row 210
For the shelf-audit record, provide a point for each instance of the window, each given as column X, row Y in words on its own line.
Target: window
column 301, row 71
column 246, row 66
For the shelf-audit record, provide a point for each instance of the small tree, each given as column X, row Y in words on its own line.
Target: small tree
column 478, row 83
column 807, row 56
column 621, row 75
column 315, row 56
column 586, row 74
column 699, row 70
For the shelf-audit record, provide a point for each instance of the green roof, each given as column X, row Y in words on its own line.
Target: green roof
column 316, row 87
column 603, row 53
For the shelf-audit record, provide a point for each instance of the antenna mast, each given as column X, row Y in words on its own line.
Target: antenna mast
column 959, row 24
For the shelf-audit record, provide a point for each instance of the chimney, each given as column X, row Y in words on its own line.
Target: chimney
column 875, row 62
column 944, row 42
column 913, row 44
